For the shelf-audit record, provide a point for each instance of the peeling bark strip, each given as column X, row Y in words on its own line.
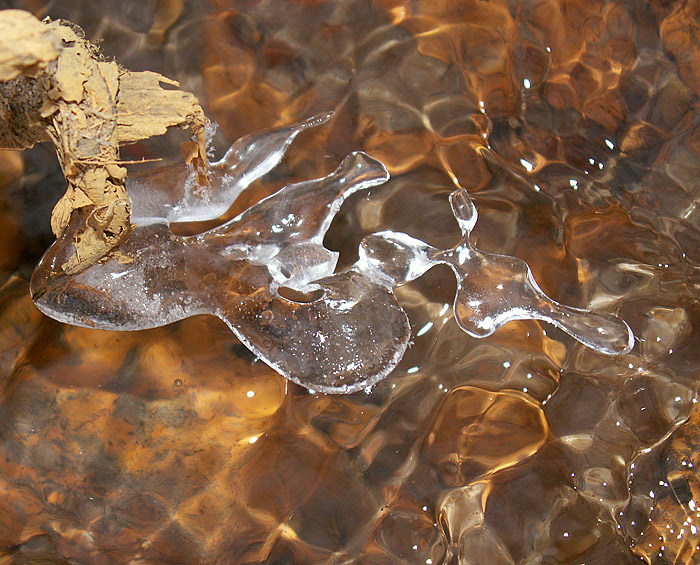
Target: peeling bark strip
column 55, row 87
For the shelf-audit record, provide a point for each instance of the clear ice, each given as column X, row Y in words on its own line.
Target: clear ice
column 267, row 275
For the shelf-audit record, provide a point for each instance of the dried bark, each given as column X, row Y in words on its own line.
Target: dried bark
column 55, row 86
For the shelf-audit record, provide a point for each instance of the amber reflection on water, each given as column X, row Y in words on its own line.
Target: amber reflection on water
column 572, row 122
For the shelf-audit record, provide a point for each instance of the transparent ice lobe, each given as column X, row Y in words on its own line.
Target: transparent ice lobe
column 171, row 200
column 495, row 289
column 492, row 289
column 393, row 258
column 350, row 337
column 347, row 333
column 285, row 231
column 267, row 275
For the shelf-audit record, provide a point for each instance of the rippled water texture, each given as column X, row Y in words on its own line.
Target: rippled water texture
column 572, row 123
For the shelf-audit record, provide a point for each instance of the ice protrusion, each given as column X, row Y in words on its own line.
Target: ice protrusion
column 492, row 289
column 267, row 274
column 347, row 333
column 248, row 159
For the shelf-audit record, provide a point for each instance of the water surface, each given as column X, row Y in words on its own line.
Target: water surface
column 574, row 126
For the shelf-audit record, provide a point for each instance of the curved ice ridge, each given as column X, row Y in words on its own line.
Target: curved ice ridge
column 267, row 274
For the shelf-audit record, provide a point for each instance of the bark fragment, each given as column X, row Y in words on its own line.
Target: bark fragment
column 54, row 86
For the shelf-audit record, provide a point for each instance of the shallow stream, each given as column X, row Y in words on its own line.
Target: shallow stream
column 573, row 124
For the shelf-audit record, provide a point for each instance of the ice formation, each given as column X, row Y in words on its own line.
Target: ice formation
column 267, row 274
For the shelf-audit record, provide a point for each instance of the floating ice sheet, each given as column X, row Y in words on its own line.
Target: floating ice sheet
column 267, row 274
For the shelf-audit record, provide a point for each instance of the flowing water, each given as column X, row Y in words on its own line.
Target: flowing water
column 574, row 126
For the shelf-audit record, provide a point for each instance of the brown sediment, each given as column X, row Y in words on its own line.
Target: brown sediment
column 671, row 535
column 55, row 86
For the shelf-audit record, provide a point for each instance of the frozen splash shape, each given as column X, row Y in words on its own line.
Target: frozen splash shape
column 267, row 274
column 247, row 159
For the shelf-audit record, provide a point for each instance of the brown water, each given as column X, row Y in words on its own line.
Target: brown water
column 573, row 123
